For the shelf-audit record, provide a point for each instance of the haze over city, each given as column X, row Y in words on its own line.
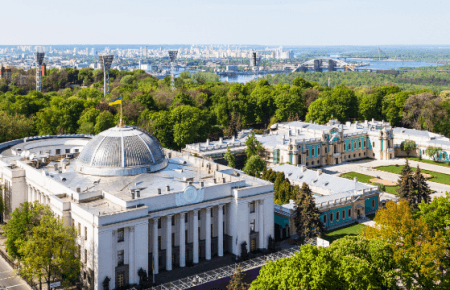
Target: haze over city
column 284, row 22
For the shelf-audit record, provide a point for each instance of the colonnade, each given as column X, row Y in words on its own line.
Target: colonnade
column 182, row 237
column 35, row 194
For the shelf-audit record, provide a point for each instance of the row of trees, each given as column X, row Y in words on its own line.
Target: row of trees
column 407, row 247
column 42, row 244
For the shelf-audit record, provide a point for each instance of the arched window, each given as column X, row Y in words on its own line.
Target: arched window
column 349, row 212
column 373, row 203
column 331, row 217
column 324, row 218
column 343, row 214
column 337, row 216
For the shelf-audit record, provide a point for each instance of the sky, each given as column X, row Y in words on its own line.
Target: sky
column 277, row 22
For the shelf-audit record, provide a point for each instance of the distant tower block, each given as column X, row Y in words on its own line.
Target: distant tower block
column 331, row 65
column 39, row 59
column 254, row 62
column 106, row 62
column 173, row 56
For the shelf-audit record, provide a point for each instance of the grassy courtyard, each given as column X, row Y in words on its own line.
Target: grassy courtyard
column 365, row 179
column 437, row 176
column 446, row 164
column 350, row 230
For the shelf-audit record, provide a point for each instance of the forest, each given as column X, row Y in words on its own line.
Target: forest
column 202, row 107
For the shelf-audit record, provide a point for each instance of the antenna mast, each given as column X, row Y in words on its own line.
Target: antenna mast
column 173, row 56
column 39, row 60
column 106, row 62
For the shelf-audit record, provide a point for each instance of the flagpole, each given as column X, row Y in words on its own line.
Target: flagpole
column 121, row 113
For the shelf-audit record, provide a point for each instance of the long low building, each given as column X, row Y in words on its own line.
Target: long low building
column 134, row 203
column 341, row 201
column 314, row 145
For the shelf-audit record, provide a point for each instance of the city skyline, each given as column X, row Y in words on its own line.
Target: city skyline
column 262, row 22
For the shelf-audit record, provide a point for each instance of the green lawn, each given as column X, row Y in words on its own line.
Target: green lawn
column 438, row 177
column 446, row 164
column 350, row 230
column 365, row 179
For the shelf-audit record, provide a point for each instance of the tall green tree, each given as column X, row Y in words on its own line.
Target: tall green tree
column 104, row 121
column 408, row 146
column 307, row 215
column 253, row 145
column 423, row 191
column 254, row 166
column 50, row 252
column 19, row 228
column 229, row 157
column 237, row 280
column 407, row 186
column 436, row 214
column 433, row 151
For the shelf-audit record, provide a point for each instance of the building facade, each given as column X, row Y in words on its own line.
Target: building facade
column 136, row 205
column 340, row 201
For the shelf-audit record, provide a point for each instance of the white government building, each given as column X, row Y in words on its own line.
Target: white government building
column 132, row 201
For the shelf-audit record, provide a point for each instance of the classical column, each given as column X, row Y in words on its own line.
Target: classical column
column 131, row 256
column 29, row 194
column 155, row 246
column 182, row 241
column 208, row 234
column 169, row 242
column 220, row 229
column 195, row 236
column 261, row 224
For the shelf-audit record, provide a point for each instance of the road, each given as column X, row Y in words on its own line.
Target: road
column 8, row 279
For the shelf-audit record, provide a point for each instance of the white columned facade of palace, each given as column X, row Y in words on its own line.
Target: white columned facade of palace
column 261, row 223
column 208, row 234
column 220, row 229
column 155, row 246
column 169, row 242
column 182, row 240
column 196, row 237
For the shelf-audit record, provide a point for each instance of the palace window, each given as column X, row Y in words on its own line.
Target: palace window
column 173, row 220
column 343, row 214
column 159, row 242
column 312, row 152
column 120, row 235
column 307, row 153
column 373, row 144
column 121, row 279
column 337, row 216
column 120, row 255
column 67, row 150
column 186, row 217
column 364, row 144
column 85, row 256
column 79, row 229
column 359, row 143
column 173, row 239
column 318, row 151
column 58, row 152
column 212, row 212
column 186, row 236
column 326, row 150
column 212, row 230
column 77, row 150
column 85, row 233
column 373, row 203
column 252, row 207
column 159, row 223
column 331, row 217
column 252, row 226
column 325, row 218
column 349, row 212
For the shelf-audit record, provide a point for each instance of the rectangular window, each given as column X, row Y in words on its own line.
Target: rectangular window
column 85, row 256
column 373, row 145
column 77, row 150
column 79, row 251
column 58, row 151
column 212, row 230
column 326, row 150
column 159, row 242
column 307, row 153
column 79, row 229
column 337, row 216
column 173, row 220
column 186, row 217
column 67, row 150
column 212, row 212
column 159, row 223
column 343, row 214
column 121, row 279
column 318, row 151
column 186, row 236
column 312, row 152
column 199, row 234
column 252, row 207
column 85, row 233
column 120, row 256
column 252, row 226
column 223, row 228
column 173, row 239
column 120, row 235
column 349, row 212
